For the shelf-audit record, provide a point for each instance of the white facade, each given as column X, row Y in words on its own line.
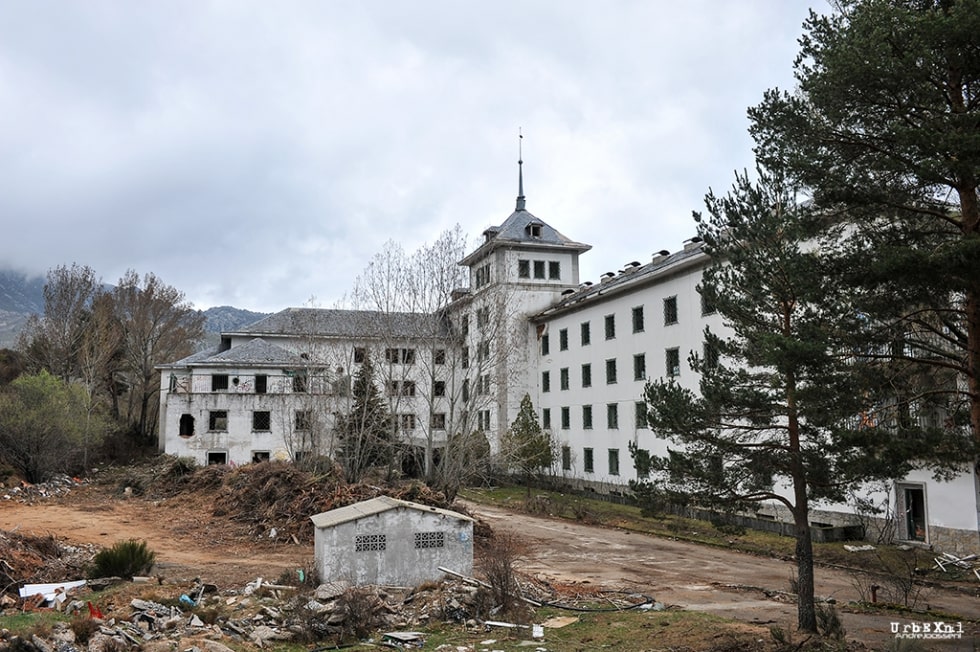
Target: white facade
column 391, row 542
column 527, row 325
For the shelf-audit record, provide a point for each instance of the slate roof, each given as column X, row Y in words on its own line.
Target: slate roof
column 374, row 506
column 255, row 353
column 322, row 322
column 627, row 278
column 514, row 231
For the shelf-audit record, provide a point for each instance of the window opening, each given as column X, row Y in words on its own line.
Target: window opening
column 219, row 382
column 218, row 420
column 670, row 311
column 261, row 383
column 217, row 457
column 261, row 420
column 186, row 425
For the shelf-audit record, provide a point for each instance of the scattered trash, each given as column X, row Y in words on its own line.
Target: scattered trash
column 403, row 639
column 968, row 562
column 55, row 592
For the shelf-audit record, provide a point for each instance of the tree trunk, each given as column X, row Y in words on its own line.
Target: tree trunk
column 806, row 613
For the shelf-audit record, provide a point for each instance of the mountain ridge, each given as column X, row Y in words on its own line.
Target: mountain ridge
column 22, row 295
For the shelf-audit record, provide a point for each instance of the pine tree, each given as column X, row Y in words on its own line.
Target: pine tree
column 777, row 415
column 884, row 131
column 526, row 445
column 367, row 431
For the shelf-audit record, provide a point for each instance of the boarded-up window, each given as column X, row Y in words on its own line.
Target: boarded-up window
column 430, row 540
column 368, row 542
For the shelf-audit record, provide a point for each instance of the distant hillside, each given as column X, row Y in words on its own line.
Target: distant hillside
column 21, row 296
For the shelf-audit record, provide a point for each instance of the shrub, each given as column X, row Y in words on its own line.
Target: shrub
column 124, row 559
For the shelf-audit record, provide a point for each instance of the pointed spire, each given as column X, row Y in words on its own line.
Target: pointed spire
column 520, row 170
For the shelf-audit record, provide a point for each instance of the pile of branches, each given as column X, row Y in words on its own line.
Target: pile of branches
column 27, row 558
column 276, row 499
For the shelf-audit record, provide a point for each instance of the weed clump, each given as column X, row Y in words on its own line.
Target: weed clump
column 124, row 559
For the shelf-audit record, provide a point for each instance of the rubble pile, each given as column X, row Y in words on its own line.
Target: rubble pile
column 25, row 492
column 27, row 558
column 260, row 614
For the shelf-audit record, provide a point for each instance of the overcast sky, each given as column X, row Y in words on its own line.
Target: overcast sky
column 258, row 154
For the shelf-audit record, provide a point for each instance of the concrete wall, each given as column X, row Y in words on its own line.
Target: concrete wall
column 400, row 563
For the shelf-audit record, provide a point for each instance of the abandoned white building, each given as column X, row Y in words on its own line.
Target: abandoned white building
column 391, row 542
column 526, row 324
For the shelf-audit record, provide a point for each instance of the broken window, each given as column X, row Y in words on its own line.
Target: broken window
column 545, row 418
column 610, row 321
column 406, row 422
column 545, row 345
column 641, row 414
column 439, row 356
column 439, row 388
column 186, row 425
column 217, row 457
column 400, row 356
column 369, row 542
column 554, row 270
column 587, row 417
column 587, row 375
column 358, row 354
column 613, row 461
column 430, row 540
column 670, row 311
column 566, row 418
column 612, row 416
column 401, row 388
column 563, row 339
column 638, row 319
column 563, row 378
column 261, row 384
column 261, row 421
column 260, row 456
column 588, row 462
column 611, row 371
column 586, row 333
column 304, row 420
column 482, row 276
column 639, row 366
column 524, row 269
column 439, row 421
column 482, row 317
column 218, row 420
column 566, row 458
column 539, row 269
column 673, row 359
column 219, row 382
column 300, row 383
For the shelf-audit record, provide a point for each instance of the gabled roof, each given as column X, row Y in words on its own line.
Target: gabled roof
column 376, row 506
column 255, row 353
column 320, row 322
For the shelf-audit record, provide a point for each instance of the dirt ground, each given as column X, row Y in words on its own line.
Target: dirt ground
column 192, row 543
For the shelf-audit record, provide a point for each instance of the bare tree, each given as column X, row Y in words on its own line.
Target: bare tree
column 158, row 326
column 52, row 341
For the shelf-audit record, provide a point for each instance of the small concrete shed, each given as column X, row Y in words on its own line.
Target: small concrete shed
column 391, row 542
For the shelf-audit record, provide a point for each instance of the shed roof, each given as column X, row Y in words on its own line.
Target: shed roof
column 374, row 506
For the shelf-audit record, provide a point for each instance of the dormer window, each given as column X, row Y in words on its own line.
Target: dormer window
column 534, row 229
